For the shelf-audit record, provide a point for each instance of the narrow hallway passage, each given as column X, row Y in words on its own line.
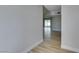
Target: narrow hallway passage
column 52, row 31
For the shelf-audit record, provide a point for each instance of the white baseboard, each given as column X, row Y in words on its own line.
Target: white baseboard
column 70, row 48
column 33, row 46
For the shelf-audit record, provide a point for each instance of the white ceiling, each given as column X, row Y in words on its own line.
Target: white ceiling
column 53, row 7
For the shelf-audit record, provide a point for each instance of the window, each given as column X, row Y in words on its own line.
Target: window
column 47, row 23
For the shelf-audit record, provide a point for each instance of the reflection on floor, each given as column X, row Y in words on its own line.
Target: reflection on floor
column 47, row 33
column 51, row 46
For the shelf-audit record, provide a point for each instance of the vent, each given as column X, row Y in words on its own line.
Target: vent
column 58, row 12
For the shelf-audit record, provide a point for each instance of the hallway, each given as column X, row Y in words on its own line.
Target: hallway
column 51, row 46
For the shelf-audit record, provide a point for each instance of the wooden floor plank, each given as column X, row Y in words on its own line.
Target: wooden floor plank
column 51, row 46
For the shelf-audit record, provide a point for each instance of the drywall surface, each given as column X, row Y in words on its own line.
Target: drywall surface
column 20, row 27
column 56, row 23
column 45, row 12
column 70, row 27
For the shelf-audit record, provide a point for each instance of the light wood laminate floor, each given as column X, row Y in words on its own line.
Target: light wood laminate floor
column 52, row 45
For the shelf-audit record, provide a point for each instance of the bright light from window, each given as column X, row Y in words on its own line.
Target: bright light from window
column 47, row 23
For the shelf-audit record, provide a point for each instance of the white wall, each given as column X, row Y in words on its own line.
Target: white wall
column 56, row 23
column 20, row 27
column 45, row 12
column 70, row 27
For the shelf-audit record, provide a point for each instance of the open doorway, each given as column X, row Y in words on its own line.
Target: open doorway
column 52, row 25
